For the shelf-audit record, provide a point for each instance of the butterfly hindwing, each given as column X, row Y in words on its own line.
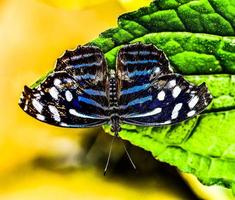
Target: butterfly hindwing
column 74, row 95
column 168, row 100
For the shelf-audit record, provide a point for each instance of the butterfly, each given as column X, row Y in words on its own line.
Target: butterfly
column 143, row 90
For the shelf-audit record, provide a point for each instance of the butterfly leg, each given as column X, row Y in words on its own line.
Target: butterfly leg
column 110, row 152
column 128, row 155
column 115, row 122
column 115, row 127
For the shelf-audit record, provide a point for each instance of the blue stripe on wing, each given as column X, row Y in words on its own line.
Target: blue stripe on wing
column 139, row 73
column 139, row 52
column 140, row 100
column 137, row 101
column 90, row 102
column 94, row 92
column 86, row 65
column 135, row 89
column 139, row 61
column 85, row 76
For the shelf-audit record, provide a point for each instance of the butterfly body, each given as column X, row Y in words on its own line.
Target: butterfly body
column 143, row 90
column 113, row 103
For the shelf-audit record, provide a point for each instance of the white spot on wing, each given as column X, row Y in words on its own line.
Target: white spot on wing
column 191, row 113
column 37, row 105
column 167, row 122
column 40, row 117
column 161, row 95
column 37, row 95
column 68, row 96
column 57, row 82
column 177, row 107
column 157, row 70
column 172, row 83
column 63, row 124
column 26, row 107
column 193, row 101
column 175, row 111
column 55, row 113
column 174, row 115
column 77, row 114
column 54, row 93
column 69, row 80
column 176, row 91
column 153, row 112
column 53, row 110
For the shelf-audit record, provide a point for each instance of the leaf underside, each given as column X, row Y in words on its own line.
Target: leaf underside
column 198, row 38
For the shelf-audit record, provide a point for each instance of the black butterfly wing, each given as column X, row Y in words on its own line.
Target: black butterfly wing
column 168, row 100
column 86, row 65
column 74, row 95
column 149, row 92
column 137, row 66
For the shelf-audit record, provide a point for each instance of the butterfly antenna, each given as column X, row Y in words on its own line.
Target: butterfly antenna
column 128, row 155
column 110, row 151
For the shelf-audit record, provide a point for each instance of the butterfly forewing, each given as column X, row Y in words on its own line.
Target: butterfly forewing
column 137, row 66
column 86, row 64
column 88, row 67
column 74, row 95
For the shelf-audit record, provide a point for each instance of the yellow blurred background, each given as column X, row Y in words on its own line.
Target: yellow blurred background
column 39, row 161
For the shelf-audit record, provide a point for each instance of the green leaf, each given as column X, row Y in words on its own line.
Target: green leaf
column 198, row 37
